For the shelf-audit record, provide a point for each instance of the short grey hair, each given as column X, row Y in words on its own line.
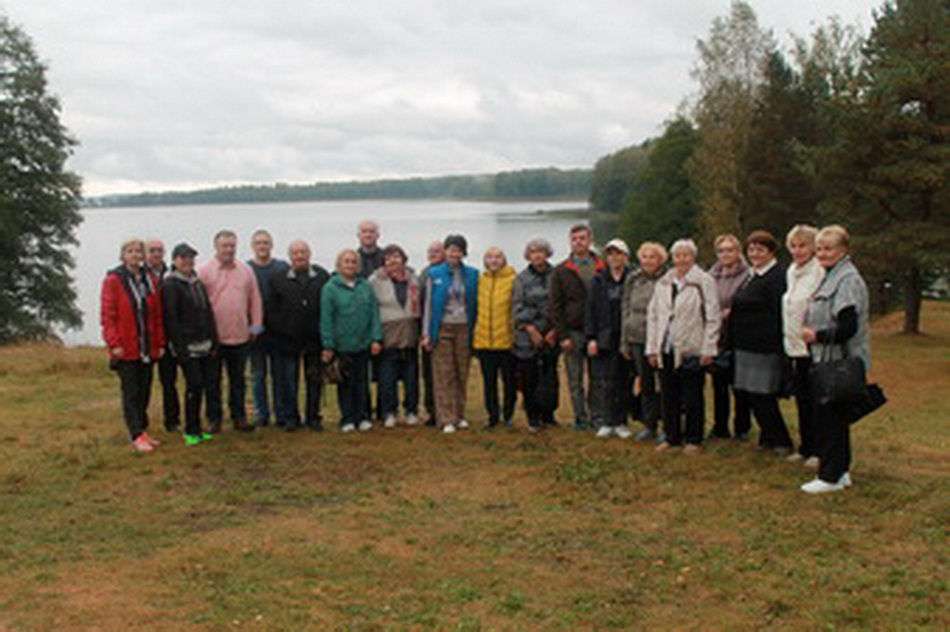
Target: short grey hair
column 684, row 244
column 538, row 243
column 298, row 242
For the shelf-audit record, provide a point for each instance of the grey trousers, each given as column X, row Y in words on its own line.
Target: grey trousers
column 588, row 402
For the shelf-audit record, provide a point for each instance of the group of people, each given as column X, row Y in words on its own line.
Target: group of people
column 638, row 341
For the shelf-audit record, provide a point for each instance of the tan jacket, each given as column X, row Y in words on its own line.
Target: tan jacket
column 693, row 318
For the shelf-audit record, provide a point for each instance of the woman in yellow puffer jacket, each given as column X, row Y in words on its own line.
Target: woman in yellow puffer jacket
column 494, row 333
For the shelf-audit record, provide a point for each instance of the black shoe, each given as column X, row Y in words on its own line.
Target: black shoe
column 292, row 426
column 315, row 426
column 214, row 427
column 741, row 436
column 243, row 426
column 173, row 428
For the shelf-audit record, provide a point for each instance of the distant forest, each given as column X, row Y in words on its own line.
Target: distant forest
column 524, row 184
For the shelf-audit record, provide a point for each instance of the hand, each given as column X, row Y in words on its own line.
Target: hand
column 536, row 339
column 625, row 354
column 161, row 354
column 116, row 352
column 551, row 338
column 654, row 360
column 809, row 336
column 375, row 349
column 567, row 345
column 707, row 360
column 427, row 343
column 326, row 355
column 592, row 348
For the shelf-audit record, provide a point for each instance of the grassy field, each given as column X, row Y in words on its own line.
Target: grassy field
column 484, row 530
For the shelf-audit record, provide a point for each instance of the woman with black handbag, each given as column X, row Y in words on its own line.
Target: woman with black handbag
column 836, row 329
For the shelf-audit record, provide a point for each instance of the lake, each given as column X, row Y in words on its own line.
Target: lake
column 326, row 226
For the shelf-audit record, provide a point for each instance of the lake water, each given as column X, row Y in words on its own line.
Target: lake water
column 326, row 226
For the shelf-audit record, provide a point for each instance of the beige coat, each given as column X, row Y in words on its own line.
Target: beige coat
column 693, row 318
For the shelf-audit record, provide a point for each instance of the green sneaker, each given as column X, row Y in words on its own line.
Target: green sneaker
column 206, row 436
column 192, row 439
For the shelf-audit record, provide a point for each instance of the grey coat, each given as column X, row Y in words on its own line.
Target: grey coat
column 529, row 305
column 637, row 292
column 843, row 287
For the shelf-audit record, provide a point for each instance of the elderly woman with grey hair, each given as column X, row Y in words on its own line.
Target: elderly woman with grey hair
column 536, row 344
column 836, row 326
column 683, row 323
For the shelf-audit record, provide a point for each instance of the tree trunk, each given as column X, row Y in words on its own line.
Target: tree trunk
column 913, row 296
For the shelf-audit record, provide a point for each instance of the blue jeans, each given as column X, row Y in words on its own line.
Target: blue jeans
column 287, row 387
column 398, row 365
column 263, row 353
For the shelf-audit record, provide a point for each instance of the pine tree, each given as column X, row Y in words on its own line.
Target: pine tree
column 39, row 198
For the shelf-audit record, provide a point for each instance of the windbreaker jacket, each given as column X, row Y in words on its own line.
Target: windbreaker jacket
column 568, row 299
column 693, row 314
column 529, row 304
column 439, row 279
column 494, row 329
column 293, row 309
column 189, row 321
column 637, row 292
column 349, row 316
column 120, row 325
column 605, row 311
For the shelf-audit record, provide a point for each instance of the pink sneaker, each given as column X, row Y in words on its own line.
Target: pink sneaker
column 141, row 444
column 152, row 442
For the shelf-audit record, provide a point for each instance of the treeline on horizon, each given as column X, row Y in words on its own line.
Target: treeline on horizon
column 841, row 128
column 522, row 184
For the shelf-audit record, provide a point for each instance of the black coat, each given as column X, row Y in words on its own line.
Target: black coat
column 293, row 311
column 755, row 322
column 605, row 311
column 187, row 314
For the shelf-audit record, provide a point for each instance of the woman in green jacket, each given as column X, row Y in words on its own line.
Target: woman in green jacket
column 350, row 329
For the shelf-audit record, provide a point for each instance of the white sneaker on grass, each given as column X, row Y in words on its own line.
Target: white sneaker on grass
column 623, row 432
column 811, row 463
column 348, row 428
column 605, row 432
column 462, row 424
column 412, row 420
column 449, row 429
column 390, row 422
column 845, row 479
column 818, row 486
column 366, row 426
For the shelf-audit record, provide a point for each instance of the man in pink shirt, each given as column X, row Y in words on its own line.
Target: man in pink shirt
column 238, row 316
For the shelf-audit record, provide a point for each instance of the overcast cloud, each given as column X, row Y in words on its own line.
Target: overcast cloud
column 171, row 94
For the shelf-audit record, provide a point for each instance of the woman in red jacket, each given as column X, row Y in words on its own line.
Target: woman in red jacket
column 132, row 330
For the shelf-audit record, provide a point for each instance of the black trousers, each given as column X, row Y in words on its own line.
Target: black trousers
column 353, row 391
column 723, row 393
column 135, row 385
column 682, row 389
column 806, row 415
column 168, row 375
column 495, row 365
column 199, row 374
column 773, row 432
column 533, row 373
column 833, row 437
column 234, row 359
column 428, row 384
column 612, row 371
column 649, row 393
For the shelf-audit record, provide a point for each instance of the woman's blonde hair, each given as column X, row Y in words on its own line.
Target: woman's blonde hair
column 727, row 237
column 494, row 250
column 343, row 253
column 838, row 233
column 656, row 247
column 803, row 233
column 131, row 241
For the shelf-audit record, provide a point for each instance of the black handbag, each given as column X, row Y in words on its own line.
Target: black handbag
column 870, row 400
column 841, row 381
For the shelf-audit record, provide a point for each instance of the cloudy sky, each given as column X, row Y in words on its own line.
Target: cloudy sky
column 176, row 94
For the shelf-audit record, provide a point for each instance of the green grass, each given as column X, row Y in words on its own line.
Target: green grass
column 485, row 530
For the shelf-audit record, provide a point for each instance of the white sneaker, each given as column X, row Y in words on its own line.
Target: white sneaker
column 845, row 479
column 412, row 420
column 390, row 422
column 819, row 486
column 623, row 432
column 365, row 426
column 449, row 429
column 348, row 428
column 462, row 424
column 605, row 432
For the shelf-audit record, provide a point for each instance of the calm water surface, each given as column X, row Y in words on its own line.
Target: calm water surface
column 326, row 226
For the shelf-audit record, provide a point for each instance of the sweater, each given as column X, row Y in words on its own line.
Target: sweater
column 400, row 321
column 349, row 316
column 494, row 329
column 756, row 319
column 801, row 282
